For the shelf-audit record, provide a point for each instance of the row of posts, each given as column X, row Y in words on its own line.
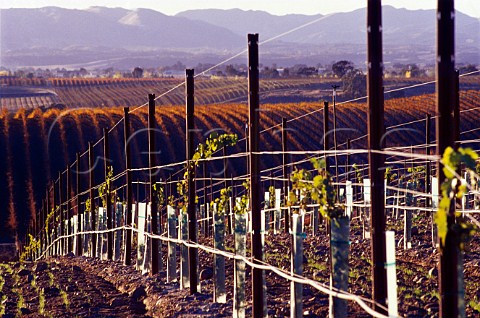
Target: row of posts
column 446, row 99
column 102, row 222
column 142, row 216
column 65, row 224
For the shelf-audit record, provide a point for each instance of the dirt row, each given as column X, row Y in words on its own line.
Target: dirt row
column 72, row 286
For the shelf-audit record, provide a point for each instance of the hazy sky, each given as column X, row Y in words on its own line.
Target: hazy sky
column 279, row 7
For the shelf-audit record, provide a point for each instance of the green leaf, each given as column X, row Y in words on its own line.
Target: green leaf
column 318, row 163
column 462, row 189
column 292, row 198
column 448, row 163
column 213, row 147
column 441, row 219
column 469, row 156
column 213, row 135
column 317, row 181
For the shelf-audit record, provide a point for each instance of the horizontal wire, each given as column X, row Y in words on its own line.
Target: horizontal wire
column 253, row 263
column 266, row 266
column 116, row 124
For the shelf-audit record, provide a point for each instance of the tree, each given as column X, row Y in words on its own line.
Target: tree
column 230, row 70
column 341, row 68
column 20, row 73
column 83, row 72
column 269, row 72
column 108, row 72
column 179, row 66
column 294, row 69
column 467, row 68
column 137, row 72
column 354, row 83
column 307, row 71
column 200, row 67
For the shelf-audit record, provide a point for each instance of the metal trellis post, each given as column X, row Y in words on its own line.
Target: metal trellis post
column 191, row 206
column 69, row 210
column 153, row 197
column 446, row 99
column 78, row 251
column 258, row 292
column 91, row 177
column 128, row 165
column 108, row 207
column 376, row 129
column 285, row 173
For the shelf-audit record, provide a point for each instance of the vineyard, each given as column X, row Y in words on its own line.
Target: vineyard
column 232, row 209
column 104, row 92
column 32, row 138
column 83, row 92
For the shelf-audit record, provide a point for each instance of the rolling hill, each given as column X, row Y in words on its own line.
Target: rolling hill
column 57, row 28
column 401, row 26
column 103, row 37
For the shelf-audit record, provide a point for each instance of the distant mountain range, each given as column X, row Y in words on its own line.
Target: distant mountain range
column 58, row 28
column 101, row 37
column 401, row 26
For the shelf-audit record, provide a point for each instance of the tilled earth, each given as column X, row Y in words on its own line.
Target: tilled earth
column 70, row 286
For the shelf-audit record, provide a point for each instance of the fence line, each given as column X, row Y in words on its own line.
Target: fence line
column 371, row 201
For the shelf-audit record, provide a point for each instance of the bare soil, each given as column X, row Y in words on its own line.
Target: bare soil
column 88, row 287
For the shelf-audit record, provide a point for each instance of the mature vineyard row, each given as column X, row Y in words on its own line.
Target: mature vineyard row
column 84, row 92
column 37, row 144
column 15, row 81
column 104, row 92
column 14, row 103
